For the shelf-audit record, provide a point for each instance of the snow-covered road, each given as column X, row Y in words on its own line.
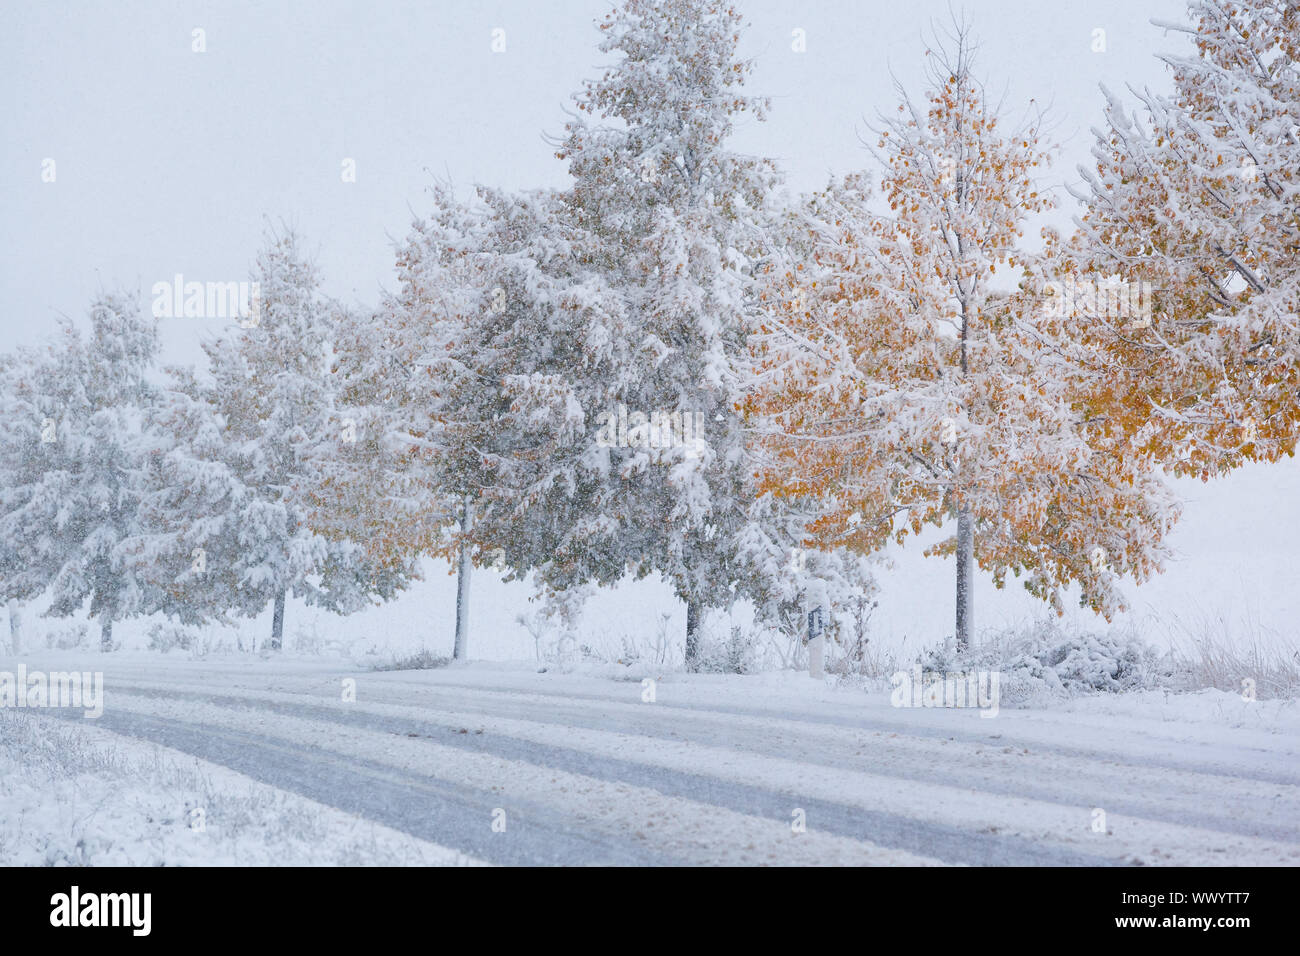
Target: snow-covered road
column 511, row 766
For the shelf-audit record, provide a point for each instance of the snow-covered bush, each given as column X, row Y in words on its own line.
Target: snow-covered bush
column 562, row 653
column 66, row 637
column 850, row 654
column 863, row 664
column 216, row 640
column 165, row 637
column 737, row 653
column 1045, row 660
column 311, row 638
column 631, row 649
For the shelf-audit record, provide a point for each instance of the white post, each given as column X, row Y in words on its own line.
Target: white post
column 816, row 617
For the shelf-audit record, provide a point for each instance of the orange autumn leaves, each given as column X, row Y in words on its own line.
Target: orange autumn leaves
column 1198, row 194
column 902, row 376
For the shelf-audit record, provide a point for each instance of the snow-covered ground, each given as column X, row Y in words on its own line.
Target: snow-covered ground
column 500, row 763
column 78, row 795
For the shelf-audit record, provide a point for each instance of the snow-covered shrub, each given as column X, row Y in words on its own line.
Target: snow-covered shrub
column 631, row 649
column 66, row 637
column 1107, row 662
column 850, row 654
column 424, row 660
column 863, row 663
column 215, row 640
column 630, row 652
column 538, row 628
column 165, row 637
column 1045, row 660
column 554, row 640
column 309, row 638
column 737, row 653
column 562, row 652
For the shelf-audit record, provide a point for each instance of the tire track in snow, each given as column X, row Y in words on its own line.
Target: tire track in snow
column 953, row 844
column 685, row 830
column 1068, row 734
column 917, row 730
column 1244, row 807
column 1241, row 763
column 427, row 808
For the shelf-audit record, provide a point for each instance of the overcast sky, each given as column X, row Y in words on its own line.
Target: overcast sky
column 167, row 160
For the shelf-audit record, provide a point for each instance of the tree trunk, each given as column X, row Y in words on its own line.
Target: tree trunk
column 461, row 649
column 692, row 634
column 15, row 628
column 965, row 582
column 105, row 633
column 965, row 523
column 277, row 622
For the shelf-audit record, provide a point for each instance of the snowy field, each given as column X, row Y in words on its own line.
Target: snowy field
column 502, row 764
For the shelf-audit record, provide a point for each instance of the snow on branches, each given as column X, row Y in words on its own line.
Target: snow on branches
column 1197, row 193
column 904, row 387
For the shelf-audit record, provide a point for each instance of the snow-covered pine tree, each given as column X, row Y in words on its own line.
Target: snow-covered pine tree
column 906, row 390
column 640, row 374
column 235, row 465
column 423, row 379
column 71, row 426
column 1197, row 193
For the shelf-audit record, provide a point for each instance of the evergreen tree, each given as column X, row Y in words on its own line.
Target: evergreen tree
column 72, row 435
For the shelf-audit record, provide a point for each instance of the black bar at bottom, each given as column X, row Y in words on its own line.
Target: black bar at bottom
column 335, row 906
